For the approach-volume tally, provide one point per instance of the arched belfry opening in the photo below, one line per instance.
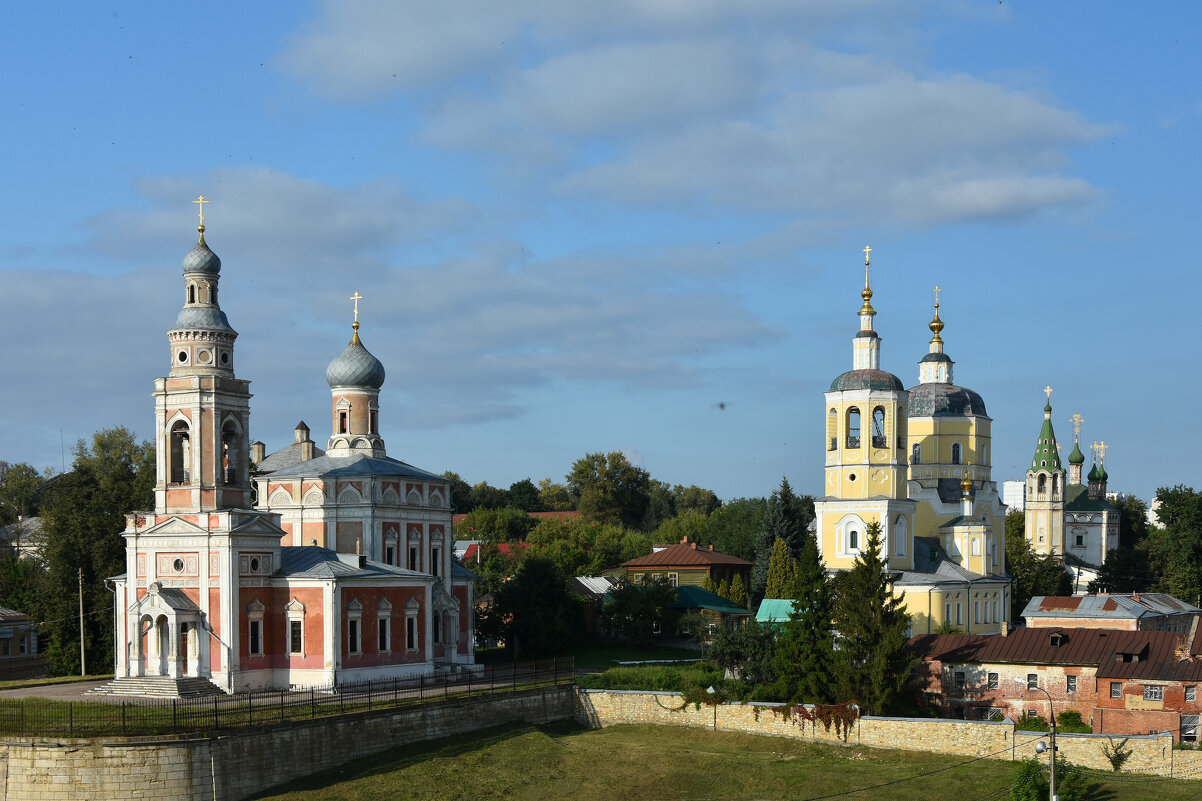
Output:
(231, 453)
(180, 459)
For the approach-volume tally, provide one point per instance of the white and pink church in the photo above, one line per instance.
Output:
(302, 568)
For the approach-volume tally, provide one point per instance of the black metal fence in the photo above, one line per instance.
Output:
(43, 717)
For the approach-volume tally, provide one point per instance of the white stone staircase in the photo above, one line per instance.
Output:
(160, 687)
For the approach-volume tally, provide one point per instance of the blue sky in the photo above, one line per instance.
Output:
(627, 226)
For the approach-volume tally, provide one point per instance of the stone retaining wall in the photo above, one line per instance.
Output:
(233, 766)
(1000, 740)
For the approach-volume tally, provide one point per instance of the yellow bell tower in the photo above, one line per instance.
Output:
(866, 467)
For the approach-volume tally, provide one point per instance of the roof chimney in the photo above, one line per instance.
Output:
(684, 539)
(1005, 628)
(258, 452)
(694, 545)
(711, 546)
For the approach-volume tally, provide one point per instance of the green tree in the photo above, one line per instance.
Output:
(805, 649)
(661, 504)
(18, 492)
(781, 572)
(486, 496)
(1133, 520)
(524, 495)
(533, 612)
(1179, 549)
(495, 525)
(555, 497)
(83, 515)
(746, 650)
(786, 517)
(631, 610)
(610, 489)
(461, 492)
(723, 590)
(738, 592)
(695, 499)
(686, 525)
(874, 663)
(734, 527)
(709, 586)
(20, 581)
(1125, 570)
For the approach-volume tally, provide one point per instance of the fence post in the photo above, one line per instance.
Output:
(421, 686)
(250, 708)
(555, 663)
(395, 696)
(216, 719)
(174, 719)
(515, 674)
(123, 729)
(369, 695)
(469, 684)
(313, 701)
(70, 718)
(22, 717)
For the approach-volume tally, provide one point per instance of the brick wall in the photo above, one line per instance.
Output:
(237, 765)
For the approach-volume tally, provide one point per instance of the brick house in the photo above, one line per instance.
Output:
(1122, 682)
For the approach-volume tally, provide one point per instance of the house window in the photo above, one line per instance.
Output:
(992, 681)
(1032, 713)
(673, 578)
(1032, 681)
(1191, 693)
(411, 633)
(1116, 689)
(1154, 693)
(390, 555)
(435, 561)
(296, 636)
(1189, 728)
(383, 633)
(255, 638)
(352, 636)
(413, 557)
(960, 680)
(1072, 684)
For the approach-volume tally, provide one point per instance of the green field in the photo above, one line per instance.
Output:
(669, 763)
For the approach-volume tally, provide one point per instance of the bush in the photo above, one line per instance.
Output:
(659, 678)
(1036, 723)
(1069, 721)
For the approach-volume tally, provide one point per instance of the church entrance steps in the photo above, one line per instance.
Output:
(160, 687)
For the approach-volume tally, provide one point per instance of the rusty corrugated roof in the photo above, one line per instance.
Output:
(686, 554)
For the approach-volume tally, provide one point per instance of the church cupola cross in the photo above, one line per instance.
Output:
(200, 209)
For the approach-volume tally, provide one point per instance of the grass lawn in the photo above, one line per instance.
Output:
(668, 763)
(595, 656)
(18, 683)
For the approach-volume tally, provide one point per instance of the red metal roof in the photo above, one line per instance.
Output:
(686, 554)
(1067, 603)
(504, 548)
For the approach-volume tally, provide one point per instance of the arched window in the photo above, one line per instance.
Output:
(853, 539)
(955, 453)
(191, 293)
(213, 294)
(1042, 484)
(878, 427)
(832, 429)
(916, 453)
(343, 421)
(1055, 485)
(230, 448)
(976, 546)
(853, 427)
(181, 454)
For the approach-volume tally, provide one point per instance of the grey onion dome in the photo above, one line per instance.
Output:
(355, 367)
(867, 379)
(208, 318)
(201, 259)
(945, 400)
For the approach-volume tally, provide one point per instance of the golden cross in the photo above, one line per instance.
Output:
(1102, 448)
(1094, 448)
(937, 291)
(200, 202)
(1076, 420)
(356, 297)
(1048, 391)
(867, 251)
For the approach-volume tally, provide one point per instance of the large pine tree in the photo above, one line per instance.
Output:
(874, 664)
(805, 650)
(787, 518)
(780, 572)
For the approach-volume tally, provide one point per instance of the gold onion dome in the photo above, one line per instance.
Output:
(966, 485)
(936, 325)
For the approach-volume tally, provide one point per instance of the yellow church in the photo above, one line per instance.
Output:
(917, 462)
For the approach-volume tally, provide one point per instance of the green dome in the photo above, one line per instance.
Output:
(1094, 474)
(1076, 457)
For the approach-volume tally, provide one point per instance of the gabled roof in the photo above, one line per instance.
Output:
(1077, 500)
(690, 597)
(774, 610)
(686, 554)
(932, 566)
(1106, 649)
(286, 457)
(594, 587)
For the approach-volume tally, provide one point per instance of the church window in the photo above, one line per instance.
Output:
(1072, 684)
(182, 356)
(916, 453)
(375, 421)
(383, 635)
(390, 555)
(853, 427)
(352, 636)
(959, 614)
(832, 429)
(853, 540)
(254, 643)
(213, 294)
(437, 630)
(229, 453)
(413, 557)
(343, 418)
(955, 453)
(435, 560)
(1055, 485)
(976, 611)
(976, 546)
(296, 636)
(411, 632)
(191, 293)
(181, 454)
(1041, 484)
(878, 427)
(995, 617)
(225, 357)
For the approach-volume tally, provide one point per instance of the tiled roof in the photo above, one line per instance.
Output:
(686, 554)
(1103, 648)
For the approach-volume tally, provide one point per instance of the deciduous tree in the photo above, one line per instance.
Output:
(534, 612)
(632, 610)
(610, 489)
(734, 527)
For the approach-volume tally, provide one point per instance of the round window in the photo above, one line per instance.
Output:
(183, 357)
(254, 565)
(851, 477)
(225, 358)
(204, 357)
(178, 565)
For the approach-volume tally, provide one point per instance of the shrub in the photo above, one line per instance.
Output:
(1036, 723)
(1070, 722)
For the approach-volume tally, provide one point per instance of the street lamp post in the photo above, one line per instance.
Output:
(1040, 747)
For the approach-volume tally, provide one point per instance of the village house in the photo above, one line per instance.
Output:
(1121, 682)
(684, 564)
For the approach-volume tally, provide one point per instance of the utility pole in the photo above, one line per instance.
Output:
(83, 670)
